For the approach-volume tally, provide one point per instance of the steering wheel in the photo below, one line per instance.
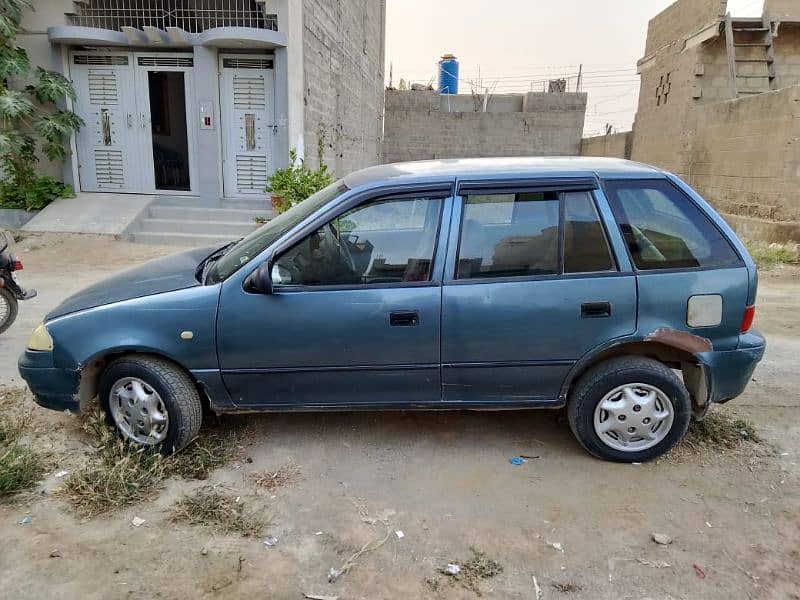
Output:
(344, 251)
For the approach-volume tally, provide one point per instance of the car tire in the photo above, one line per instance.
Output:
(638, 392)
(8, 299)
(133, 385)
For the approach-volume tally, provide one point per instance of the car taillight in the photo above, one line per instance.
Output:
(16, 265)
(747, 320)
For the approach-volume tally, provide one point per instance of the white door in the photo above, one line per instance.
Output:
(247, 102)
(106, 101)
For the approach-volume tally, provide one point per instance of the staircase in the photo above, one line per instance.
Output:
(751, 56)
(183, 221)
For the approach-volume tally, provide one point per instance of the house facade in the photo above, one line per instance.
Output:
(207, 97)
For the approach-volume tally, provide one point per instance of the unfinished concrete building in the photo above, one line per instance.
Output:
(719, 105)
(423, 124)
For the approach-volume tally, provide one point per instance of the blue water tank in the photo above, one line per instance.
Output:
(448, 74)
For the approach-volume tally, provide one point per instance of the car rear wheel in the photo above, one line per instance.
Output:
(151, 402)
(629, 409)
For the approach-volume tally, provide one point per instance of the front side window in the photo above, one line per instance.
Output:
(386, 241)
(664, 229)
(258, 241)
(519, 235)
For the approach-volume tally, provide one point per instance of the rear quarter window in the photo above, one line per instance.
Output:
(664, 229)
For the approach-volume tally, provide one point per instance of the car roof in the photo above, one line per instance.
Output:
(485, 168)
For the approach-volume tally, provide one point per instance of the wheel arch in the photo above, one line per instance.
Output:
(658, 347)
(93, 368)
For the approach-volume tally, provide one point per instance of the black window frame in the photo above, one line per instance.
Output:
(437, 192)
(614, 210)
(561, 189)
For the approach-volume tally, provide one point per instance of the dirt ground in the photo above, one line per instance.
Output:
(443, 479)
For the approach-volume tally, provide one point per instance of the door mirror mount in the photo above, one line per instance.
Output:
(260, 280)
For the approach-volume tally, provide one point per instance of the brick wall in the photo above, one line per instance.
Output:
(787, 54)
(617, 145)
(745, 155)
(680, 20)
(659, 134)
(343, 44)
(418, 126)
(783, 9)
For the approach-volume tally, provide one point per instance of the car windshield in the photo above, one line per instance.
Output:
(258, 241)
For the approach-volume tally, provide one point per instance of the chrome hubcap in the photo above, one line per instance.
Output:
(138, 411)
(633, 417)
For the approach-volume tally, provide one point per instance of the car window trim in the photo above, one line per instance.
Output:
(433, 281)
(612, 205)
(512, 188)
(524, 278)
(522, 186)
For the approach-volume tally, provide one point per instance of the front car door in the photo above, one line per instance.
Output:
(354, 317)
(532, 285)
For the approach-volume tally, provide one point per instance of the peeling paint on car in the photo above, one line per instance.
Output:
(683, 340)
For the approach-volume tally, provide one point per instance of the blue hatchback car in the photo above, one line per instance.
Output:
(605, 286)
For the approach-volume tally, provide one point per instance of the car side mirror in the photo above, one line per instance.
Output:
(260, 280)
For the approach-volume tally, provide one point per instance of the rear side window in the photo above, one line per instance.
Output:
(664, 229)
(531, 234)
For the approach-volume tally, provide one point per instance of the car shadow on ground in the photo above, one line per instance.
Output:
(523, 432)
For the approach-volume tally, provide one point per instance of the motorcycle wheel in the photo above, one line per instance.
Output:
(8, 309)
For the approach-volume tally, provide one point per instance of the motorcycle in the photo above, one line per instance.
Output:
(11, 292)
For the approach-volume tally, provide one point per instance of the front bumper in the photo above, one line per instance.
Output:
(730, 371)
(52, 387)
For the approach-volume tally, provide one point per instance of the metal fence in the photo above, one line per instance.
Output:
(193, 16)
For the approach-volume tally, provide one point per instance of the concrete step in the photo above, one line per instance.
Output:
(259, 203)
(179, 239)
(234, 228)
(215, 215)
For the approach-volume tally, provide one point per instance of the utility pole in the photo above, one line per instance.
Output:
(580, 78)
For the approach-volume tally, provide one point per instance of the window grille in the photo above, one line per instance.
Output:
(193, 16)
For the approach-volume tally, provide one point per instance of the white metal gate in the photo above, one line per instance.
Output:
(106, 101)
(247, 102)
(115, 148)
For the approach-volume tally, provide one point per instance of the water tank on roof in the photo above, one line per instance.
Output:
(448, 74)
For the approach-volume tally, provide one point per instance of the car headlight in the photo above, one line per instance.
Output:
(40, 340)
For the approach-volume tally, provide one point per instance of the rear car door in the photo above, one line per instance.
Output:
(531, 286)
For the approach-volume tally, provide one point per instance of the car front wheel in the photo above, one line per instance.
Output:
(151, 402)
(629, 409)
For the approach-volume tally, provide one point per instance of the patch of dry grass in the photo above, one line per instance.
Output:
(120, 474)
(720, 429)
(769, 256)
(473, 571)
(272, 480)
(211, 508)
(720, 432)
(566, 588)
(20, 466)
(210, 450)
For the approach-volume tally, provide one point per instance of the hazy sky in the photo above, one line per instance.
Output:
(516, 45)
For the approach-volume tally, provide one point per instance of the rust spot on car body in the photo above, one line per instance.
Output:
(682, 340)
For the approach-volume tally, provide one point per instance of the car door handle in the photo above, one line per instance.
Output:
(596, 310)
(405, 318)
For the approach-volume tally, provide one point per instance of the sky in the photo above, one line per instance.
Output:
(517, 45)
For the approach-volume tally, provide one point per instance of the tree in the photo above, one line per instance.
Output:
(30, 118)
